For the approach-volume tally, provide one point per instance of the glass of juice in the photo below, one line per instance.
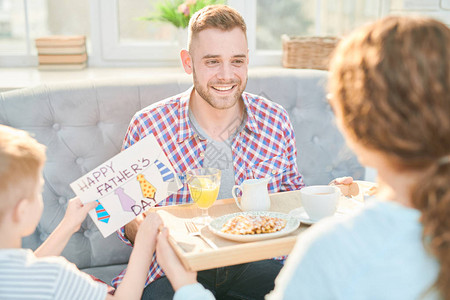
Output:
(204, 184)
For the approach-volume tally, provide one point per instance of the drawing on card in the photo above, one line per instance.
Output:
(102, 214)
(128, 184)
(166, 174)
(147, 189)
(125, 200)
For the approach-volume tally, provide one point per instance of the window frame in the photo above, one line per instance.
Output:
(110, 51)
(105, 49)
(26, 58)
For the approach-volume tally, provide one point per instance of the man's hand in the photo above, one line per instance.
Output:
(132, 228)
(346, 185)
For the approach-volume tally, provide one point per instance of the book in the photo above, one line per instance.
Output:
(62, 58)
(61, 40)
(61, 50)
(61, 67)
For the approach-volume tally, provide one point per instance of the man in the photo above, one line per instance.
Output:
(216, 124)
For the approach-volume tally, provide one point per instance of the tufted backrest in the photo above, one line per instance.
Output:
(83, 124)
(322, 152)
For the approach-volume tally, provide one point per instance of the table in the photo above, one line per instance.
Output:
(196, 255)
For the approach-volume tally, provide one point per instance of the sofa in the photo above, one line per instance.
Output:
(83, 124)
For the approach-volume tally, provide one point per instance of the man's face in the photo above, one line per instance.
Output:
(219, 66)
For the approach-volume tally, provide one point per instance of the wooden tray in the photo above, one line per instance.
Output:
(196, 255)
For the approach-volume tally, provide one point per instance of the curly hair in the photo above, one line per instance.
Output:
(391, 81)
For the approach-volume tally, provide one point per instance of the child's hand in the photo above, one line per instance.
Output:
(172, 267)
(149, 227)
(76, 213)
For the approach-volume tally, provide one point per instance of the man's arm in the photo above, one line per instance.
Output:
(293, 180)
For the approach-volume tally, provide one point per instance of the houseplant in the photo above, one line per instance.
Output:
(178, 12)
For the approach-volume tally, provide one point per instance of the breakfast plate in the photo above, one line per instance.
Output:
(216, 226)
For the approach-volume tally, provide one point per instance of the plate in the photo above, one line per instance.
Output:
(216, 226)
(302, 216)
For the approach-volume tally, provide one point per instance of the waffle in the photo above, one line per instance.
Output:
(243, 225)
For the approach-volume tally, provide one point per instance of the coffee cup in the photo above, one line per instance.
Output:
(320, 201)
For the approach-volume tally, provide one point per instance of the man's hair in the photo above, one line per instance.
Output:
(215, 16)
(21, 161)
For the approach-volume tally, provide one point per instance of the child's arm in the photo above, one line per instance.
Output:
(168, 260)
(183, 282)
(133, 282)
(75, 214)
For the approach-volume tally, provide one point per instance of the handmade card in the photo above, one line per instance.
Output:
(127, 185)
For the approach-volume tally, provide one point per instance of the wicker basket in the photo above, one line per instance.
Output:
(307, 52)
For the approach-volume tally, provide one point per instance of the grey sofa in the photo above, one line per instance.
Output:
(83, 124)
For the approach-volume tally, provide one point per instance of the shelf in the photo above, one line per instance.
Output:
(16, 78)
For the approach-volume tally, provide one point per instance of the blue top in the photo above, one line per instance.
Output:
(375, 254)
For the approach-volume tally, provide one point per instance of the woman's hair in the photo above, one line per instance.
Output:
(391, 81)
(215, 16)
(21, 161)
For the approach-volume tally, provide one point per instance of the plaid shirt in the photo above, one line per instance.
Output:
(264, 147)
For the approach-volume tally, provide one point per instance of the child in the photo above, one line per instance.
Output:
(41, 275)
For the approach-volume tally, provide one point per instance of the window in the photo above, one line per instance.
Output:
(117, 38)
(22, 21)
(126, 40)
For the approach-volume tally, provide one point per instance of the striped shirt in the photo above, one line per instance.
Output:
(24, 276)
(265, 147)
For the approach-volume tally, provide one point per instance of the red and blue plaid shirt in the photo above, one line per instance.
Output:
(265, 147)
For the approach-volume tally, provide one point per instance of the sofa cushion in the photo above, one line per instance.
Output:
(83, 124)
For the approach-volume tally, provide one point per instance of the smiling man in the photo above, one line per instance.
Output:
(216, 124)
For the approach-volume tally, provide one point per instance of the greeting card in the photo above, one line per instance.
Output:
(128, 184)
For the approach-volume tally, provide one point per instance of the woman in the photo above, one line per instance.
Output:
(390, 90)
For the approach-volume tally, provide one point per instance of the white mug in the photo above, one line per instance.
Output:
(320, 201)
(254, 195)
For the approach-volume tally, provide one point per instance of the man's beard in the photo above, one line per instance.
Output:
(220, 102)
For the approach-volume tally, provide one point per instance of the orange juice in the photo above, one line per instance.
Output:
(203, 191)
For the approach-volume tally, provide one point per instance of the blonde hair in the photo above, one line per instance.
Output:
(391, 80)
(21, 161)
(215, 16)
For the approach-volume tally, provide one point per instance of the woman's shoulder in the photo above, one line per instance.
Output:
(366, 228)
